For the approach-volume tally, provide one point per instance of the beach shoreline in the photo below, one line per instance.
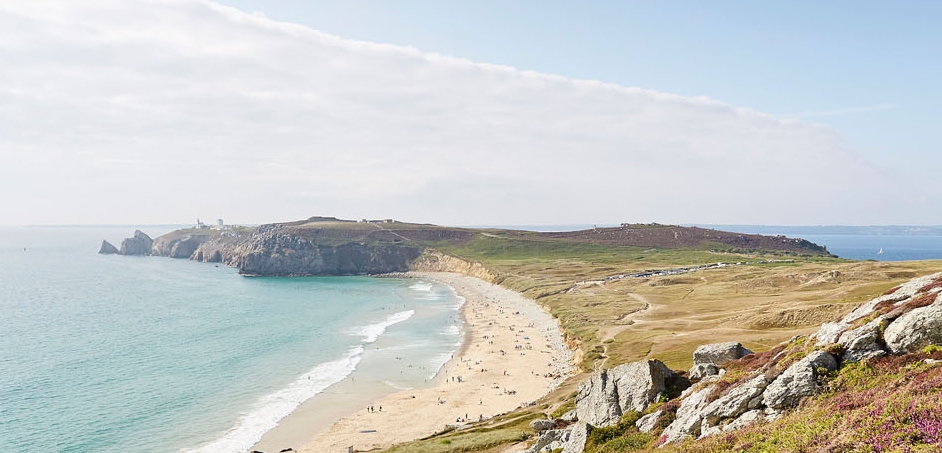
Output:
(511, 354)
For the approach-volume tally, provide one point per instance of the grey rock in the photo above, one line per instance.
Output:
(688, 419)
(107, 248)
(719, 353)
(915, 330)
(542, 425)
(608, 394)
(798, 381)
(569, 416)
(746, 419)
(549, 441)
(702, 370)
(640, 383)
(829, 333)
(140, 244)
(648, 422)
(864, 341)
(577, 438)
(597, 400)
(736, 401)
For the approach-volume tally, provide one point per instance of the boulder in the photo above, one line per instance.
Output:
(740, 422)
(798, 381)
(702, 370)
(648, 422)
(736, 401)
(542, 425)
(719, 353)
(569, 416)
(597, 400)
(863, 342)
(608, 394)
(140, 244)
(549, 441)
(687, 421)
(107, 248)
(829, 333)
(915, 330)
(640, 383)
(577, 438)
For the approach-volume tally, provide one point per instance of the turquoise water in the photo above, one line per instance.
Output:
(148, 354)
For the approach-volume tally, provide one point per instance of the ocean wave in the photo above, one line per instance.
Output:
(270, 409)
(421, 286)
(440, 361)
(451, 330)
(372, 332)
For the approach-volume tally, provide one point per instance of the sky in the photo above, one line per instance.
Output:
(470, 113)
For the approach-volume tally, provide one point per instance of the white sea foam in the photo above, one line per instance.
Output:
(451, 330)
(372, 332)
(270, 409)
(421, 286)
(440, 361)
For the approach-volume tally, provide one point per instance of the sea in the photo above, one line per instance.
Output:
(108, 353)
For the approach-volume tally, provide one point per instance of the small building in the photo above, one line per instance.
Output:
(200, 225)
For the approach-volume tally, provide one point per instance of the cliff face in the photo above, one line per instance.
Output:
(140, 244)
(280, 252)
(287, 250)
(433, 261)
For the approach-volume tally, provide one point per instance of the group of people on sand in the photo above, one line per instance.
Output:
(371, 409)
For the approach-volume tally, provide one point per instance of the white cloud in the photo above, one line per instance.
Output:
(159, 111)
(844, 111)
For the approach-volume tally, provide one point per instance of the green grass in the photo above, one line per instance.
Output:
(509, 428)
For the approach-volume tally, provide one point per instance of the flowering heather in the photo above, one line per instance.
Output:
(893, 404)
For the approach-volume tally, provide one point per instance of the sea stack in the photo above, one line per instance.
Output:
(107, 248)
(140, 244)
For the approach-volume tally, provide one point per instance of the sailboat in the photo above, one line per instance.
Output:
(881, 251)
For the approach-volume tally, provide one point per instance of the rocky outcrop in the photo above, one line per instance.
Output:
(897, 298)
(140, 244)
(181, 244)
(689, 417)
(714, 409)
(648, 422)
(798, 381)
(864, 342)
(916, 329)
(606, 395)
(279, 252)
(550, 440)
(736, 401)
(542, 424)
(107, 248)
(702, 370)
(434, 261)
(719, 353)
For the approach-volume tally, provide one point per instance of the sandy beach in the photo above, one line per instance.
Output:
(512, 355)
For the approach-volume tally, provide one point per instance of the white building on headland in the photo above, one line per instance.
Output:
(220, 225)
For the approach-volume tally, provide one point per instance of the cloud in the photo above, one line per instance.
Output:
(846, 111)
(161, 111)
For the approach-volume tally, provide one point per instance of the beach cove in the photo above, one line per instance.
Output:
(513, 353)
